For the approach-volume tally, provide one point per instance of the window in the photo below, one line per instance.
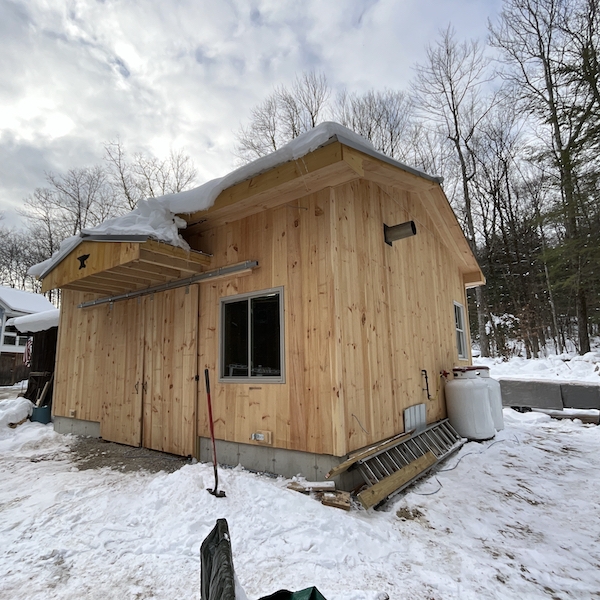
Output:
(461, 338)
(10, 335)
(252, 337)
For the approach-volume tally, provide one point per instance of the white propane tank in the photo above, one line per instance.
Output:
(495, 397)
(467, 401)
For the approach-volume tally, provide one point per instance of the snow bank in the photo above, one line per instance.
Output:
(36, 322)
(564, 367)
(13, 411)
(526, 418)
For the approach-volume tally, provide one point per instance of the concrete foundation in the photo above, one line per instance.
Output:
(263, 459)
(76, 426)
(549, 395)
(278, 461)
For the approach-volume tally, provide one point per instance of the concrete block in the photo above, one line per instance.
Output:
(580, 395)
(76, 426)
(531, 394)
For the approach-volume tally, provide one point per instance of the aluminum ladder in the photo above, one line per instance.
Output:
(393, 469)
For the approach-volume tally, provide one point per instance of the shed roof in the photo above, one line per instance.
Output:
(24, 302)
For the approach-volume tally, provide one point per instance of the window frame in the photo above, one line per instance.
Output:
(248, 297)
(460, 332)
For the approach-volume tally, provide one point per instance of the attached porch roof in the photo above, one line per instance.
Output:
(109, 266)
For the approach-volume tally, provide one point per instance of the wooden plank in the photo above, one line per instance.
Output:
(381, 490)
(306, 487)
(337, 499)
(91, 288)
(185, 266)
(165, 249)
(354, 458)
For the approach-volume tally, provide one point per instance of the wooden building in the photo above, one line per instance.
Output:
(316, 332)
(16, 303)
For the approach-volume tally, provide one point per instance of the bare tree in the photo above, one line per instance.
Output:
(146, 176)
(543, 57)
(284, 115)
(384, 118)
(447, 90)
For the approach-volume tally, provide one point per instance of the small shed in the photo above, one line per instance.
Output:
(322, 286)
(16, 303)
(42, 329)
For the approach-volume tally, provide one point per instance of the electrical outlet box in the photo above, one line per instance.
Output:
(263, 437)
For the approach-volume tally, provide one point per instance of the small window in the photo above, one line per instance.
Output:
(252, 337)
(461, 338)
(10, 340)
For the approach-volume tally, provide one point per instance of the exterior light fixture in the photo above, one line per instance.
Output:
(398, 232)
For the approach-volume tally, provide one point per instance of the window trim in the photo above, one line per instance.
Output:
(250, 378)
(460, 332)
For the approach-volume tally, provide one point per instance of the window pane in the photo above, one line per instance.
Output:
(10, 340)
(235, 339)
(461, 340)
(266, 341)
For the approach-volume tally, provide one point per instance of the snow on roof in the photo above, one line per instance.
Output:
(36, 322)
(157, 217)
(25, 302)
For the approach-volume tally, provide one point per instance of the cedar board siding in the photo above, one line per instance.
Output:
(131, 367)
(361, 318)
(292, 246)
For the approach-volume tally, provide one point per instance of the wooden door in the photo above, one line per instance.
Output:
(117, 374)
(170, 369)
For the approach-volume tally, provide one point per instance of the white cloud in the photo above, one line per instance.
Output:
(160, 74)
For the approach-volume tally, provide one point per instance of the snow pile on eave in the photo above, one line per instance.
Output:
(36, 322)
(157, 217)
(21, 301)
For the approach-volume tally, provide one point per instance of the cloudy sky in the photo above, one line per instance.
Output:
(165, 74)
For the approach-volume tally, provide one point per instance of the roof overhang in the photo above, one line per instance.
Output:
(113, 264)
(335, 163)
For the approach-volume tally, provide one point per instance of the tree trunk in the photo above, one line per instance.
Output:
(484, 344)
(582, 322)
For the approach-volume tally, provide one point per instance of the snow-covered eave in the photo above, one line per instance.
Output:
(203, 197)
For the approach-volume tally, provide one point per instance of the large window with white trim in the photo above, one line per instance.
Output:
(461, 337)
(252, 337)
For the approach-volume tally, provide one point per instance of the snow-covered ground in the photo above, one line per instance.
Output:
(517, 517)
(564, 367)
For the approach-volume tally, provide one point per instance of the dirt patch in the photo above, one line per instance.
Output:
(95, 453)
(409, 514)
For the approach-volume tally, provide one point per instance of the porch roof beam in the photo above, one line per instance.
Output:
(236, 269)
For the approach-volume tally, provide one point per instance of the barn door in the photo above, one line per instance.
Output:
(117, 370)
(170, 368)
